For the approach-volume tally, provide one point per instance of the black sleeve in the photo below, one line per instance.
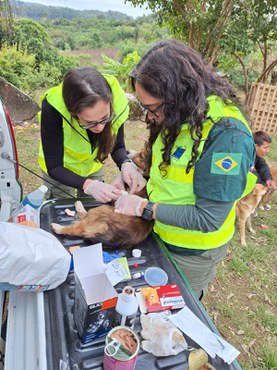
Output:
(53, 148)
(119, 153)
(262, 169)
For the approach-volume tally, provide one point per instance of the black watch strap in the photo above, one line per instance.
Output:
(147, 213)
(126, 160)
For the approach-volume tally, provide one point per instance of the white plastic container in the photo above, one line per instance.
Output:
(126, 307)
(35, 198)
(28, 209)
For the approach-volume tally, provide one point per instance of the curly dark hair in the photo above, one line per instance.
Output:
(83, 88)
(178, 75)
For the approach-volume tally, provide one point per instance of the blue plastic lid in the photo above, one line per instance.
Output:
(155, 276)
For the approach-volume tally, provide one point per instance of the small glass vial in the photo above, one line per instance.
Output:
(126, 307)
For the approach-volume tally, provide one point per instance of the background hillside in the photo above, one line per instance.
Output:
(38, 11)
(39, 43)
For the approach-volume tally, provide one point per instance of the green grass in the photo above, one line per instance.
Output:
(242, 299)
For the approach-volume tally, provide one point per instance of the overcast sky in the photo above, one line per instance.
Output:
(103, 5)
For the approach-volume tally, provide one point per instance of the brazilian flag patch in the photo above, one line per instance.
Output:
(226, 163)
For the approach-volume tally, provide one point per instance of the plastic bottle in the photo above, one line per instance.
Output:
(35, 198)
(126, 307)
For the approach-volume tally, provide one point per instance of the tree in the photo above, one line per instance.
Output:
(200, 23)
(31, 36)
(6, 16)
(253, 28)
(205, 24)
(223, 28)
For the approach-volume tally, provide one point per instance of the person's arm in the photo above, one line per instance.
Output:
(263, 169)
(53, 147)
(205, 216)
(219, 180)
(119, 153)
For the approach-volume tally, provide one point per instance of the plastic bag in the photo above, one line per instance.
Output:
(31, 259)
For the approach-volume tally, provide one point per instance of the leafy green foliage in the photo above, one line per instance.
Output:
(222, 28)
(82, 34)
(121, 70)
(28, 58)
(16, 66)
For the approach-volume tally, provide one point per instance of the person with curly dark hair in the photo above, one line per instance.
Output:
(202, 156)
(82, 122)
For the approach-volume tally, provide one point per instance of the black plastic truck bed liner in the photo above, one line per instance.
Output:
(64, 348)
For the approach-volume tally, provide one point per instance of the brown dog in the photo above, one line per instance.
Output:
(263, 205)
(102, 225)
(246, 207)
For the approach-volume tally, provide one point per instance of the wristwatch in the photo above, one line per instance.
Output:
(147, 212)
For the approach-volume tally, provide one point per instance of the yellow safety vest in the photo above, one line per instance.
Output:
(177, 186)
(78, 155)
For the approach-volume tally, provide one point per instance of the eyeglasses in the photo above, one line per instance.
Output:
(93, 124)
(145, 109)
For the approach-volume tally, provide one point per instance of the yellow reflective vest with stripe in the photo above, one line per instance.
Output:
(78, 154)
(176, 187)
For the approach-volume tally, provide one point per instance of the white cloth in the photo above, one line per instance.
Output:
(31, 257)
(160, 336)
(193, 327)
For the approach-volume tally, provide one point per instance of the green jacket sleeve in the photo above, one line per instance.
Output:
(228, 155)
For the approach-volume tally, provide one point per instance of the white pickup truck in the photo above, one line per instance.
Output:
(38, 331)
(22, 343)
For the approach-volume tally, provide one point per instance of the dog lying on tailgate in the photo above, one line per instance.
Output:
(102, 225)
(246, 207)
(263, 205)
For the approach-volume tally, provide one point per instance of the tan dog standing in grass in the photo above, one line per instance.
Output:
(246, 207)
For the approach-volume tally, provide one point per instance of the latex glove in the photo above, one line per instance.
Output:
(102, 192)
(129, 205)
(118, 182)
(161, 337)
(132, 177)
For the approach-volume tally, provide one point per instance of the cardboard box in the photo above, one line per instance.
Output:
(95, 296)
(160, 298)
(27, 213)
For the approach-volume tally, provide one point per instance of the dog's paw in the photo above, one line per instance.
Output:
(267, 207)
(79, 207)
(56, 228)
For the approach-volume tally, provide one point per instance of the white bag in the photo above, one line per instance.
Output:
(31, 259)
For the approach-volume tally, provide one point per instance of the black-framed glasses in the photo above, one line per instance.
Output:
(93, 124)
(146, 110)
